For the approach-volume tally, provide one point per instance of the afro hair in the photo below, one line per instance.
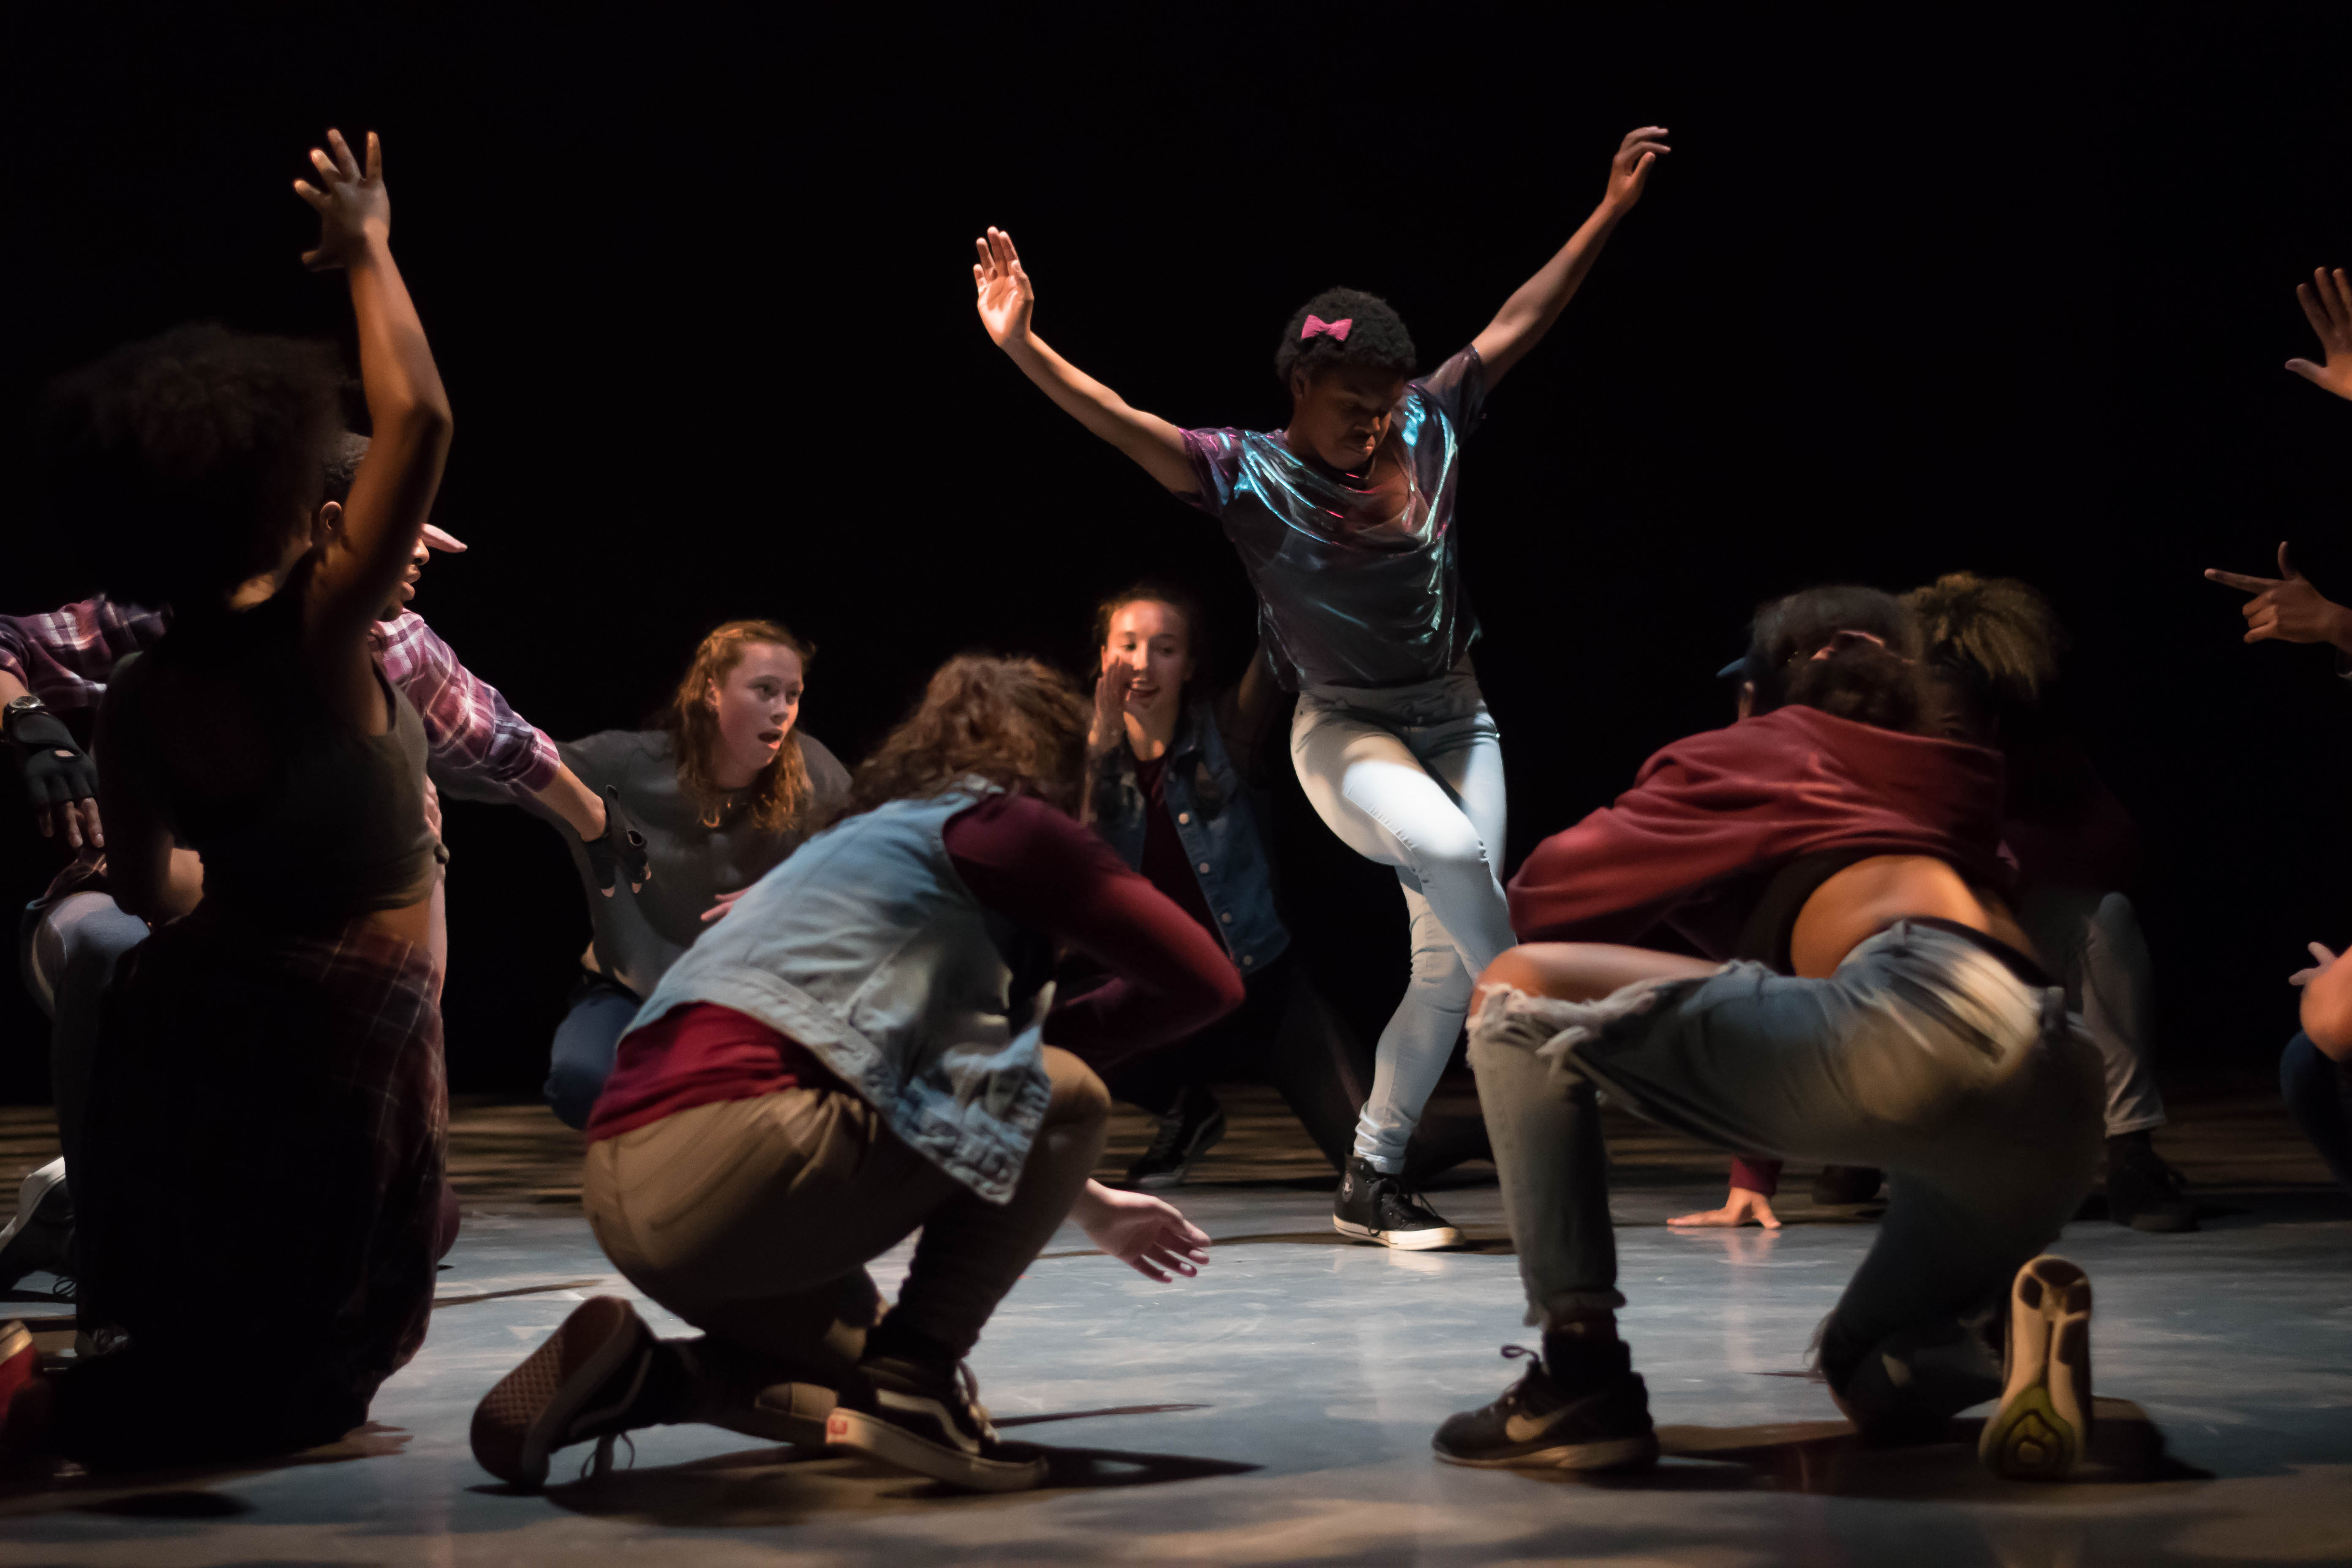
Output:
(198, 457)
(1376, 337)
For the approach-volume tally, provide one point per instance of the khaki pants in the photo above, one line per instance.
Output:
(754, 1219)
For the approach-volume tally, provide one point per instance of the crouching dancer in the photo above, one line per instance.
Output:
(1913, 1033)
(857, 1053)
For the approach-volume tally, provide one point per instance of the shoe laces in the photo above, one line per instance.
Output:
(599, 1464)
(969, 1385)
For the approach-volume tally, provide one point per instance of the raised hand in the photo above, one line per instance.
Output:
(1741, 1207)
(2321, 960)
(352, 206)
(1111, 705)
(1143, 1232)
(1629, 170)
(1006, 296)
(2328, 304)
(2287, 607)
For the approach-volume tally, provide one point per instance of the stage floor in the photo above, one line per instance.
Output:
(1278, 1409)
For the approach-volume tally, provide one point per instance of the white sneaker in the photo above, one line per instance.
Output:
(2042, 1427)
(34, 1242)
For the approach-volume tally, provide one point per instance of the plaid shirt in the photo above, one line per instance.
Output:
(66, 656)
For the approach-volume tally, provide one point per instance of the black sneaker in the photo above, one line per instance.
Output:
(1193, 1127)
(929, 1420)
(1374, 1207)
(39, 1240)
(2143, 1192)
(588, 1381)
(1539, 1425)
(1847, 1184)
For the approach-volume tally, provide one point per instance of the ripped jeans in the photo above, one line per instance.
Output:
(1412, 777)
(1923, 1055)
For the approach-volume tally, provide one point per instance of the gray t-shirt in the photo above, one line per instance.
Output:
(640, 934)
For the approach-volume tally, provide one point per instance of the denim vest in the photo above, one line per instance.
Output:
(1216, 820)
(867, 948)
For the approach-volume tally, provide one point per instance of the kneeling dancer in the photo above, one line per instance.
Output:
(1913, 1033)
(857, 1053)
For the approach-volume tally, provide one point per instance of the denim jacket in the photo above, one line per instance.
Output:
(1216, 817)
(867, 948)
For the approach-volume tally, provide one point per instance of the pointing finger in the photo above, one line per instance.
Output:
(2241, 582)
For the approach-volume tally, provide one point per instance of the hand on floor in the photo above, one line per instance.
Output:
(1741, 1207)
(1145, 1233)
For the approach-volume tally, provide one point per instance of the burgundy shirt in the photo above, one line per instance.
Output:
(1028, 862)
(1166, 865)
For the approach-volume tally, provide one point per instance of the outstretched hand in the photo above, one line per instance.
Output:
(1145, 1233)
(1007, 297)
(2287, 607)
(351, 204)
(1741, 1207)
(1629, 170)
(2328, 304)
(2321, 960)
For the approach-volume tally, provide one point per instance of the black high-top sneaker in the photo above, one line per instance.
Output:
(1375, 1207)
(1600, 1422)
(2143, 1192)
(929, 1419)
(598, 1375)
(1193, 1125)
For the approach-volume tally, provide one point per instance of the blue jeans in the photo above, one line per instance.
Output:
(72, 946)
(586, 1043)
(2319, 1097)
(1922, 1055)
(1412, 778)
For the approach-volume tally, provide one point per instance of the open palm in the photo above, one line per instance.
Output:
(1006, 296)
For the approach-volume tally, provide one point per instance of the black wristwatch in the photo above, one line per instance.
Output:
(19, 708)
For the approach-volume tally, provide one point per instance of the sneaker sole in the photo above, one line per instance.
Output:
(2044, 1423)
(876, 1438)
(1402, 1241)
(1615, 1454)
(517, 1426)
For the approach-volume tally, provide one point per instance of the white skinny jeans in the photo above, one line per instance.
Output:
(1412, 777)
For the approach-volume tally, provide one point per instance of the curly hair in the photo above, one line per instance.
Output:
(1798, 657)
(344, 454)
(1376, 337)
(1995, 635)
(199, 455)
(1015, 722)
(779, 793)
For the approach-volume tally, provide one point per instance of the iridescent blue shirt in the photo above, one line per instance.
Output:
(1356, 587)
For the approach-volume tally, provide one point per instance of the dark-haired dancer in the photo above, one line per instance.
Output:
(54, 671)
(855, 1052)
(1912, 1030)
(1345, 522)
(726, 787)
(282, 1035)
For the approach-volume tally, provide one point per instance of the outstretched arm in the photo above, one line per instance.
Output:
(409, 413)
(1007, 300)
(2288, 607)
(1529, 314)
(2328, 304)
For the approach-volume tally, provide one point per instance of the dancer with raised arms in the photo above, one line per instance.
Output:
(1345, 523)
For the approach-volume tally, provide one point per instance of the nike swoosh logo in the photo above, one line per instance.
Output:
(1527, 1428)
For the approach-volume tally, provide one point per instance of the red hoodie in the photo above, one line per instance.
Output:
(1710, 817)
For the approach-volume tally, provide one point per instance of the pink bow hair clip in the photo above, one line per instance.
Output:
(1316, 327)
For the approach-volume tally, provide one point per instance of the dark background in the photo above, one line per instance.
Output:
(1909, 296)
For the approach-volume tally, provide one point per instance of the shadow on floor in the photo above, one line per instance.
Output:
(762, 1487)
(1827, 1458)
(51, 1487)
